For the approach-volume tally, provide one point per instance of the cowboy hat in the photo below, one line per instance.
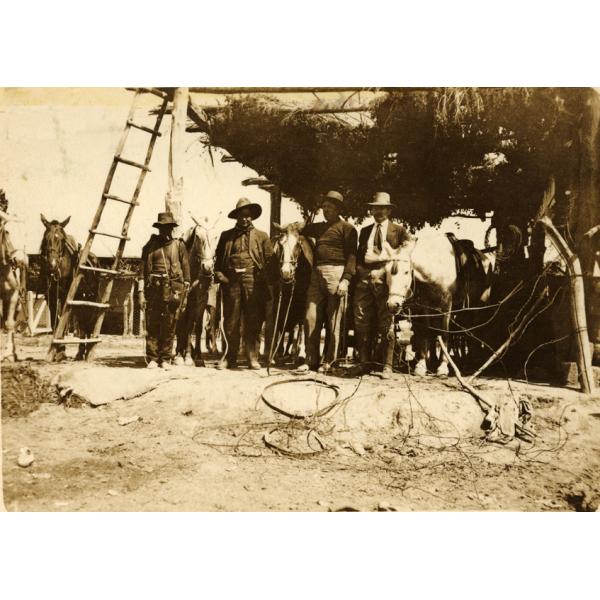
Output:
(381, 199)
(165, 218)
(245, 203)
(334, 197)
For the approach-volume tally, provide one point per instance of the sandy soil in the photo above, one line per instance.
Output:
(199, 444)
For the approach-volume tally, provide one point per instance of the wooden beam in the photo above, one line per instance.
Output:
(197, 114)
(174, 198)
(275, 216)
(302, 90)
(578, 315)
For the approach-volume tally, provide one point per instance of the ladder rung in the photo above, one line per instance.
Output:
(154, 91)
(112, 235)
(77, 341)
(100, 270)
(144, 128)
(88, 303)
(117, 199)
(132, 163)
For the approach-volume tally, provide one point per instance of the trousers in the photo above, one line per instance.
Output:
(247, 297)
(160, 333)
(370, 305)
(324, 306)
(372, 319)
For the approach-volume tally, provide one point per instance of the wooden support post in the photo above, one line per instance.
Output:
(275, 208)
(578, 316)
(130, 305)
(174, 199)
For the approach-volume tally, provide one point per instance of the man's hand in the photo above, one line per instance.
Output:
(342, 289)
(220, 277)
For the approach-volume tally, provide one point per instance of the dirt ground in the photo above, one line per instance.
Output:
(205, 441)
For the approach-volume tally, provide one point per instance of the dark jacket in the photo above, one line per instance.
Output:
(175, 253)
(259, 246)
(396, 236)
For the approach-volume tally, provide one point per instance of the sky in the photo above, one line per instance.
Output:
(56, 148)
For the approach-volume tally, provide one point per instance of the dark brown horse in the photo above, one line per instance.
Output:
(60, 255)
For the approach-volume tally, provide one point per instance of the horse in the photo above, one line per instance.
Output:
(60, 256)
(202, 259)
(13, 275)
(422, 275)
(289, 274)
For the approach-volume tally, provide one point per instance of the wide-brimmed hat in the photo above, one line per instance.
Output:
(165, 218)
(335, 197)
(381, 199)
(245, 203)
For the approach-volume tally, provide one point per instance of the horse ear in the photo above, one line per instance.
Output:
(44, 220)
(278, 227)
(65, 222)
(388, 251)
(409, 245)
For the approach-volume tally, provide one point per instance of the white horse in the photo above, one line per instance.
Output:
(12, 285)
(201, 256)
(424, 271)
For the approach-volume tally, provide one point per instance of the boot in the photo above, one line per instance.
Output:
(252, 350)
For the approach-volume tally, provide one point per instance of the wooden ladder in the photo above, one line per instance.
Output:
(102, 303)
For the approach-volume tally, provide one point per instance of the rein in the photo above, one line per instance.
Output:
(275, 347)
(282, 283)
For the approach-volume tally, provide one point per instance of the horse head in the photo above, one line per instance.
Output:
(200, 247)
(289, 246)
(398, 274)
(54, 242)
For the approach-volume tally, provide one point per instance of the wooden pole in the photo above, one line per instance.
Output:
(578, 315)
(275, 208)
(174, 198)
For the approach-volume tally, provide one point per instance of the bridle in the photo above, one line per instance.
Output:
(394, 271)
(293, 262)
(291, 282)
(53, 246)
(204, 256)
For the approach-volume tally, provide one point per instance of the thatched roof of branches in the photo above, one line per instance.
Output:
(438, 151)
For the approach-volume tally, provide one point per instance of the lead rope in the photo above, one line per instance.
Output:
(287, 314)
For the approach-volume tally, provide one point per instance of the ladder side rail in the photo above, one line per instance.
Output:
(111, 173)
(125, 230)
(65, 316)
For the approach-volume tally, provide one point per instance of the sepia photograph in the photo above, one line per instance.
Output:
(381, 299)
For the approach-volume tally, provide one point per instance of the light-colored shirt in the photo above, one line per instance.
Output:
(371, 255)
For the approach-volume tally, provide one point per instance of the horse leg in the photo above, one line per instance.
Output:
(442, 369)
(197, 352)
(421, 346)
(10, 353)
(209, 331)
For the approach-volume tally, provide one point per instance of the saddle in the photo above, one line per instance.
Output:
(470, 267)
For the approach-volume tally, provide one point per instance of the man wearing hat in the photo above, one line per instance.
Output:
(241, 256)
(166, 276)
(333, 269)
(371, 315)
